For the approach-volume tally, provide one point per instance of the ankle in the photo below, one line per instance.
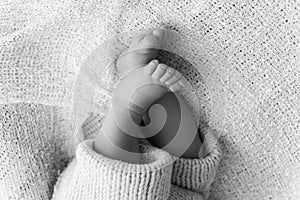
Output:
(128, 109)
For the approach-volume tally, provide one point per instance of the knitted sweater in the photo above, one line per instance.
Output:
(243, 62)
(34, 147)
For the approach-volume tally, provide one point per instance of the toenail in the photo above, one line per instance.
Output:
(178, 75)
(181, 84)
(163, 66)
(154, 61)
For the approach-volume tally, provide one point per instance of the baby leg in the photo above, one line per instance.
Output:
(143, 48)
(132, 97)
(180, 128)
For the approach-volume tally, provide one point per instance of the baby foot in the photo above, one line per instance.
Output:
(143, 86)
(142, 49)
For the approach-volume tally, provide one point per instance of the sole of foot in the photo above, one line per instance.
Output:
(143, 86)
(142, 49)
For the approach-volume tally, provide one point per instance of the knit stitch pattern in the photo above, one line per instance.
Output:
(243, 62)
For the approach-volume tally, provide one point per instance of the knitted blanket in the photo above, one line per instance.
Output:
(241, 57)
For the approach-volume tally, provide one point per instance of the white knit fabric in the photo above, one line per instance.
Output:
(243, 60)
(37, 144)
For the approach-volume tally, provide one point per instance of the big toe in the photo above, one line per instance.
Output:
(150, 67)
(154, 38)
(160, 34)
(150, 41)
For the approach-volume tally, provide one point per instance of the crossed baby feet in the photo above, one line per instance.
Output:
(145, 80)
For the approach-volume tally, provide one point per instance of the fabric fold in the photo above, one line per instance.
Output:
(95, 176)
(198, 174)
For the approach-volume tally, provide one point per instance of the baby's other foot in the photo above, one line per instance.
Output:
(142, 49)
(141, 87)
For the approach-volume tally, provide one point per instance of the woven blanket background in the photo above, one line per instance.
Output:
(244, 62)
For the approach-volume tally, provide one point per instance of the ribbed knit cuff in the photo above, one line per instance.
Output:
(198, 174)
(104, 178)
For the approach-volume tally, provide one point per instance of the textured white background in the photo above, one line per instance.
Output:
(246, 55)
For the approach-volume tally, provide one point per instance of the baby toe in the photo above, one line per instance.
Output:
(180, 84)
(183, 82)
(150, 68)
(175, 77)
(137, 39)
(167, 75)
(159, 71)
(175, 87)
(159, 33)
(150, 41)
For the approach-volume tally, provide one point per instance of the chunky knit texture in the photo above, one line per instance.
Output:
(243, 62)
(36, 145)
(92, 176)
